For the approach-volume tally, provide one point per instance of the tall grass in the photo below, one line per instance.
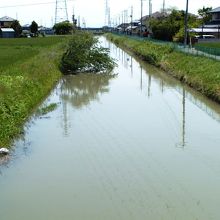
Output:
(24, 84)
(201, 73)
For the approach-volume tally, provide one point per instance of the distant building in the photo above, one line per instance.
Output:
(45, 30)
(26, 27)
(6, 22)
(212, 27)
(215, 16)
(7, 33)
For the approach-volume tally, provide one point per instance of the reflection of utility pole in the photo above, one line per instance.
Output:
(65, 118)
(184, 118)
(131, 66)
(149, 85)
(162, 86)
(141, 78)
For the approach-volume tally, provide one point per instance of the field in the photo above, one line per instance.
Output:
(17, 50)
(211, 45)
(28, 71)
(210, 48)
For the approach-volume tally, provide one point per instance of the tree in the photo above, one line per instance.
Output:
(17, 28)
(63, 28)
(171, 27)
(205, 14)
(34, 28)
(164, 28)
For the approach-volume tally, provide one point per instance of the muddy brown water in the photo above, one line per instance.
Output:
(135, 146)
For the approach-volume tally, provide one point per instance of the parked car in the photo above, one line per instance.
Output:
(205, 36)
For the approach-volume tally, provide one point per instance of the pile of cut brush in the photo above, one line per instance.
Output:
(84, 54)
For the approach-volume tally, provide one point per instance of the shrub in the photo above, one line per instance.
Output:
(83, 54)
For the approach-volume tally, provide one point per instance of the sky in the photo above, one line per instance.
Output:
(90, 12)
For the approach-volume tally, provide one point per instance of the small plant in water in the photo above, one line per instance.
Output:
(49, 108)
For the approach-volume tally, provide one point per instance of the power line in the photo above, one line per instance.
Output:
(61, 11)
(32, 4)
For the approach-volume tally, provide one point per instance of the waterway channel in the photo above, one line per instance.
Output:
(134, 146)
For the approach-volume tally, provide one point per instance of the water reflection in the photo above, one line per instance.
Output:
(182, 144)
(166, 83)
(134, 154)
(147, 74)
(81, 89)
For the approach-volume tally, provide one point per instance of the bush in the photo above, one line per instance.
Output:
(85, 55)
(63, 28)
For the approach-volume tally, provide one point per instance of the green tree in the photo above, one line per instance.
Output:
(34, 28)
(205, 14)
(63, 28)
(171, 27)
(164, 28)
(17, 28)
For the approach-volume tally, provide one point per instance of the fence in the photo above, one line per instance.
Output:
(209, 50)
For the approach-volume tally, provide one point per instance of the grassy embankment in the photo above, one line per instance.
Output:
(28, 71)
(201, 73)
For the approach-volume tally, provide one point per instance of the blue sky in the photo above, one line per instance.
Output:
(91, 10)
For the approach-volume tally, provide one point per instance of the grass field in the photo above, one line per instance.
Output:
(211, 45)
(28, 71)
(16, 50)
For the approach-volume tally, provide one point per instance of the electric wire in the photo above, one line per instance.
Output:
(31, 4)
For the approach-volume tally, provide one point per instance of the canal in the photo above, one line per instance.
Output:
(132, 146)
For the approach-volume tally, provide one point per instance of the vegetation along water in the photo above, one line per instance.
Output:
(201, 73)
(28, 71)
(30, 67)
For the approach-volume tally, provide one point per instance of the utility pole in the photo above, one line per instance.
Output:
(186, 24)
(107, 11)
(79, 25)
(163, 7)
(150, 8)
(109, 17)
(141, 17)
(131, 16)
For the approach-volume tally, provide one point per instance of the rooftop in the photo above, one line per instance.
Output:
(6, 18)
(215, 10)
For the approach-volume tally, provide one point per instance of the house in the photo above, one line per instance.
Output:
(7, 33)
(121, 28)
(212, 27)
(215, 16)
(45, 30)
(6, 22)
